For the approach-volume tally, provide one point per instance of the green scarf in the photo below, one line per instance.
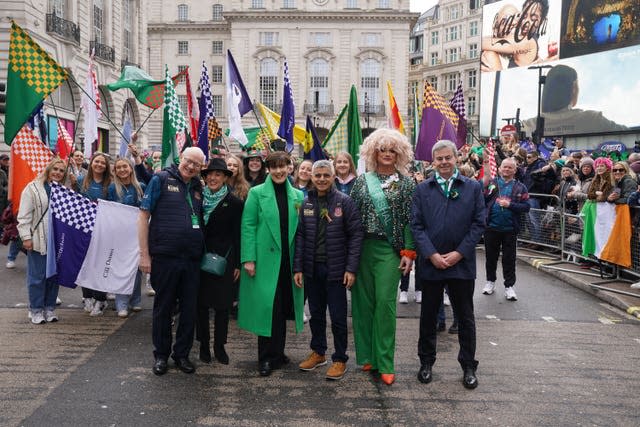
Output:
(212, 199)
(446, 184)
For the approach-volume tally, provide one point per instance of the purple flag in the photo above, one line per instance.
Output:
(244, 105)
(288, 116)
(205, 105)
(316, 152)
(73, 218)
(457, 105)
(434, 127)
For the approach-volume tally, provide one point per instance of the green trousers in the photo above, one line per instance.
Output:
(373, 305)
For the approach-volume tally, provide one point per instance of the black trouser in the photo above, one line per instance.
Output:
(220, 326)
(96, 295)
(493, 241)
(323, 293)
(404, 281)
(271, 349)
(461, 296)
(174, 279)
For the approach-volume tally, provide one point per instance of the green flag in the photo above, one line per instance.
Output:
(32, 75)
(172, 123)
(337, 139)
(147, 91)
(353, 124)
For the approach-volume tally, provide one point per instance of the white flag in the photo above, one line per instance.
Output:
(112, 259)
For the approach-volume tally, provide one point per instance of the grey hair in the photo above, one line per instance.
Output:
(444, 143)
(196, 152)
(323, 164)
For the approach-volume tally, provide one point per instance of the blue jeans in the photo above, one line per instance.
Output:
(123, 301)
(14, 250)
(534, 219)
(42, 292)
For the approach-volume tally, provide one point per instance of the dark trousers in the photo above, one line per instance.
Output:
(404, 281)
(461, 296)
(493, 241)
(220, 326)
(271, 349)
(96, 295)
(174, 280)
(321, 294)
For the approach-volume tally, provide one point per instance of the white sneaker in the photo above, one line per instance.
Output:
(11, 264)
(404, 297)
(149, 290)
(123, 313)
(88, 304)
(445, 299)
(37, 318)
(50, 316)
(418, 297)
(510, 294)
(635, 285)
(98, 308)
(136, 308)
(305, 318)
(489, 287)
(58, 301)
(111, 297)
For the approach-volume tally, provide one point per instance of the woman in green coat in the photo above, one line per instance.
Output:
(268, 296)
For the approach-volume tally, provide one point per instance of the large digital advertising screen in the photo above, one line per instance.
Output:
(591, 51)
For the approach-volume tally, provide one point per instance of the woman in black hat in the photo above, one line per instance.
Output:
(222, 213)
(255, 170)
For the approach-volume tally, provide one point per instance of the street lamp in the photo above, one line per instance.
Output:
(366, 108)
(537, 134)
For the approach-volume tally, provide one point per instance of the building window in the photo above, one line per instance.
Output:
(352, 4)
(182, 100)
(183, 12)
(454, 12)
(288, 4)
(216, 100)
(181, 68)
(371, 39)
(127, 30)
(434, 58)
(98, 20)
(216, 74)
(216, 47)
(318, 82)
(433, 81)
(383, 4)
(370, 83)
(257, 4)
(269, 38)
(473, 28)
(473, 50)
(434, 38)
(269, 82)
(471, 106)
(451, 33)
(183, 48)
(217, 12)
(320, 39)
(452, 55)
(474, 4)
(451, 82)
(472, 79)
(58, 8)
(415, 45)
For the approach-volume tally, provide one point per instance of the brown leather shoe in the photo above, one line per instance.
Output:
(336, 371)
(312, 362)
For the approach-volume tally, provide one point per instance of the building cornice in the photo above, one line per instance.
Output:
(188, 26)
(299, 15)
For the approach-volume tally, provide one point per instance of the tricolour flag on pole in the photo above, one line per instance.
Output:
(88, 248)
(91, 108)
(457, 105)
(395, 120)
(205, 104)
(439, 121)
(312, 147)
(29, 157)
(147, 91)
(607, 232)
(238, 101)
(31, 76)
(288, 116)
(272, 124)
(173, 123)
(64, 145)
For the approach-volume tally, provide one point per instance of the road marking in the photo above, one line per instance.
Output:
(606, 321)
(549, 319)
(492, 343)
(21, 304)
(491, 317)
(637, 340)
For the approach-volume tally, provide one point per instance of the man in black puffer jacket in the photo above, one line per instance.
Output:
(329, 234)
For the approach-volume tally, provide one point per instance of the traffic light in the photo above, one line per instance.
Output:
(3, 97)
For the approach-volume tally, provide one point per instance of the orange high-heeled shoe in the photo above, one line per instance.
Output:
(388, 379)
(366, 367)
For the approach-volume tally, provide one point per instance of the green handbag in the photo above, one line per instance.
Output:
(214, 264)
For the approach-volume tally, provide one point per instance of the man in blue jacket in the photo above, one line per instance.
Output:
(506, 199)
(447, 221)
(329, 234)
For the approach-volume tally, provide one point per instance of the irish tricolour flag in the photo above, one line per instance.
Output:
(607, 232)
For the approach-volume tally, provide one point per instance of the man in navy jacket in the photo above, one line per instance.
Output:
(447, 221)
(329, 234)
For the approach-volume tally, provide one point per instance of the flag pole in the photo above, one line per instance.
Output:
(153, 110)
(94, 102)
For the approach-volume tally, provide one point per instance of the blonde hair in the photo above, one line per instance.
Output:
(296, 175)
(238, 184)
(44, 175)
(134, 180)
(626, 167)
(387, 139)
(352, 165)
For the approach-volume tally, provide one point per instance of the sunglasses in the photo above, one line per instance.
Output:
(619, 170)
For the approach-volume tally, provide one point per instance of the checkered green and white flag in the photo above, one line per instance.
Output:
(173, 122)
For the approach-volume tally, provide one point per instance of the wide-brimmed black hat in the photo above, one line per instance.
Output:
(216, 164)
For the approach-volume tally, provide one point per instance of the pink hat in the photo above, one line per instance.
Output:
(603, 161)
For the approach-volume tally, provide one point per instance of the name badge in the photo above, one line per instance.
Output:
(194, 221)
(173, 188)
(308, 212)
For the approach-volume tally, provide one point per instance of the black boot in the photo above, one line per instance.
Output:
(205, 353)
(221, 354)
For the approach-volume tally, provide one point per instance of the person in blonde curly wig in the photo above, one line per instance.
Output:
(383, 197)
(387, 139)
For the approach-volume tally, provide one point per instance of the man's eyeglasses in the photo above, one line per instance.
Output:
(192, 163)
